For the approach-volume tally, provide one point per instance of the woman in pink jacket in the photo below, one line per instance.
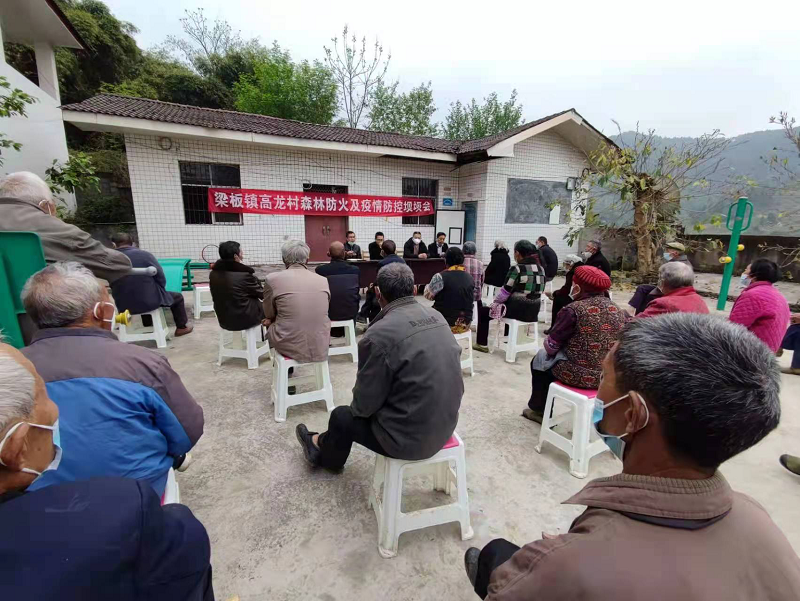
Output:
(760, 307)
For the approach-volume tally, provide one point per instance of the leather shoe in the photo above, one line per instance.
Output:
(532, 415)
(183, 331)
(306, 439)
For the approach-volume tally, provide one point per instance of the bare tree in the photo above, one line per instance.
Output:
(357, 73)
(205, 39)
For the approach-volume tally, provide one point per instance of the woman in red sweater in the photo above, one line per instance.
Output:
(761, 308)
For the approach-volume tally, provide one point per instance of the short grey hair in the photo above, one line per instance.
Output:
(500, 244)
(713, 384)
(470, 248)
(597, 244)
(27, 186)
(17, 384)
(61, 294)
(395, 280)
(295, 252)
(675, 275)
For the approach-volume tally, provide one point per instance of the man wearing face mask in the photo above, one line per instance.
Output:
(106, 538)
(415, 248)
(674, 252)
(124, 411)
(669, 526)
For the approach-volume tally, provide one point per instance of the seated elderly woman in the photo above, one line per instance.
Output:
(761, 308)
(669, 526)
(124, 411)
(453, 292)
(520, 295)
(676, 292)
(579, 339)
(296, 307)
(561, 297)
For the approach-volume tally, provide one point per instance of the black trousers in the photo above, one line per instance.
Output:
(482, 336)
(493, 555)
(343, 430)
(644, 295)
(540, 384)
(178, 308)
(559, 302)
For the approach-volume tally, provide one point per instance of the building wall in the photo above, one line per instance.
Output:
(546, 156)
(156, 187)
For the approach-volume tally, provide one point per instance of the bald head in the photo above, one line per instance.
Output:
(336, 251)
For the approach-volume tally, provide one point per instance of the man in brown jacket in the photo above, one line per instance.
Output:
(669, 526)
(296, 307)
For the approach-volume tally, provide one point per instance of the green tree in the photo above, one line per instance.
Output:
(281, 88)
(472, 121)
(408, 113)
(12, 103)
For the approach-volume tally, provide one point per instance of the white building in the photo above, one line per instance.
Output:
(41, 24)
(497, 187)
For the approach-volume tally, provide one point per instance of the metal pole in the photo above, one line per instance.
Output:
(730, 259)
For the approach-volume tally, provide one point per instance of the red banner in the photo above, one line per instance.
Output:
(281, 202)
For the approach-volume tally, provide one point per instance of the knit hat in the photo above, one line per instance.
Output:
(591, 279)
(572, 259)
(676, 246)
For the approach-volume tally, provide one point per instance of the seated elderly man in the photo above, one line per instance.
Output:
(583, 333)
(296, 307)
(142, 294)
(343, 283)
(125, 411)
(674, 252)
(561, 297)
(408, 386)
(676, 283)
(105, 538)
(669, 526)
(453, 292)
(235, 289)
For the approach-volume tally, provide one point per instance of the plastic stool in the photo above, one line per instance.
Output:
(158, 332)
(466, 363)
(392, 522)
(252, 351)
(489, 296)
(280, 385)
(172, 492)
(543, 308)
(202, 299)
(516, 344)
(351, 346)
(579, 449)
(475, 317)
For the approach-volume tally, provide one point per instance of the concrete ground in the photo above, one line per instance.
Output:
(281, 530)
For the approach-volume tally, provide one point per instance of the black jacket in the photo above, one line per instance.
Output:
(141, 293)
(433, 251)
(343, 281)
(237, 295)
(456, 298)
(375, 252)
(105, 538)
(567, 287)
(353, 248)
(498, 267)
(549, 261)
(408, 249)
(598, 260)
(390, 259)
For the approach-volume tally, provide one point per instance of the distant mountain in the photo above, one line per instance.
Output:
(777, 210)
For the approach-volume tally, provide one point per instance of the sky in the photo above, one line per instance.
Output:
(681, 68)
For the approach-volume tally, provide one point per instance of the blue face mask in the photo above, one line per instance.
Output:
(744, 280)
(614, 443)
(56, 443)
(667, 257)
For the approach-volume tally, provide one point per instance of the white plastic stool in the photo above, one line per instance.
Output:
(172, 492)
(350, 347)
(466, 363)
(202, 299)
(392, 522)
(516, 342)
(489, 296)
(254, 347)
(280, 385)
(474, 324)
(543, 309)
(579, 448)
(158, 332)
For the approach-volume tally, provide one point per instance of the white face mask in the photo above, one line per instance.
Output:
(572, 294)
(56, 443)
(100, 316)
(417, 240)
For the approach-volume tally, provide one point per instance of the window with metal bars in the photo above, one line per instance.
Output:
(421, 188)
(196, 179)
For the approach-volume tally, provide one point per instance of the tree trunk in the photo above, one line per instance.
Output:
(641, 233)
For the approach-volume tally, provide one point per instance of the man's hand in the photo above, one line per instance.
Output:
(266, 322)
(795, 319)
(422, 256)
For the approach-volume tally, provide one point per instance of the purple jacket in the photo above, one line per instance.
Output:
(763, 310)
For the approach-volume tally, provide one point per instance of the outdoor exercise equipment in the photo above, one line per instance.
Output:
(736, 227)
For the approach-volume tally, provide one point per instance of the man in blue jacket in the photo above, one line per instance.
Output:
(107, 538)
(142, 294)
(124, 411)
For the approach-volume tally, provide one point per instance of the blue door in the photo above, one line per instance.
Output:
(470, 220)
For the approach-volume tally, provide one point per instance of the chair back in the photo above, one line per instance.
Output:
(21, 256)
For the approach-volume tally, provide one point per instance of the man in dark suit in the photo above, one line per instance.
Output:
(140, 294)
(548, 257)
(375, 247)
(343, 282)
(371, 307)
(415, 248)
(594, 258)
(438, 249)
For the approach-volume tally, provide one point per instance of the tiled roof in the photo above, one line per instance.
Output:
(167, 112)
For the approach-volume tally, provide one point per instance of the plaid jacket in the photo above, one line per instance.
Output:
(475, 269)
(527, 277)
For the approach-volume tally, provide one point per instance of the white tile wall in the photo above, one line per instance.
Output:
(155, 182)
